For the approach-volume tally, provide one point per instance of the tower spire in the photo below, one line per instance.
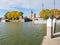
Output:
(31, 12)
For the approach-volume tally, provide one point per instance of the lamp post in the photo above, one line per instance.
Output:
(54, 21)
(54, 7)
(42, 4)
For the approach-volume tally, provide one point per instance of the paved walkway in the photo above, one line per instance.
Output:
(53, 41)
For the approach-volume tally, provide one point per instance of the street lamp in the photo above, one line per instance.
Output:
(54, 7)
(53, 22)
(42, 4)
(55, 18)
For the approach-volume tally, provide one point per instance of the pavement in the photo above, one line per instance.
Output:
(52, 41)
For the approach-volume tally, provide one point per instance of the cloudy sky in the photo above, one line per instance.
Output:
(26, 6)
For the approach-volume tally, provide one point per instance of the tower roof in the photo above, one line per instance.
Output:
(31, 12)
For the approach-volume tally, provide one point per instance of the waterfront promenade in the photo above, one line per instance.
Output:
(51, 38)
(53, 41)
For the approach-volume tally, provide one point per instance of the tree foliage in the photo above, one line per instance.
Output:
(49, 13)
(13, 15)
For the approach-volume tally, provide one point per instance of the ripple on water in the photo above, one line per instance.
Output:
(21, 33)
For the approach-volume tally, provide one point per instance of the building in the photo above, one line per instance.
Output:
(2, 19)
(21, 19)
(32, 16)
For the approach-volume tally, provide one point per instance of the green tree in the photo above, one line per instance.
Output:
(6, 15)
(49, 13)
(44, 14)
(13, 15)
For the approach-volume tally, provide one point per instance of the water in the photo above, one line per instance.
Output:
(57, 27)
(15, 33)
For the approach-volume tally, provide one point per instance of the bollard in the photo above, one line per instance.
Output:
(54, 25)
(49, 28)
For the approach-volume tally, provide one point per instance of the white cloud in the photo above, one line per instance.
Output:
(31, 4)
(35, 4)
(7, 4)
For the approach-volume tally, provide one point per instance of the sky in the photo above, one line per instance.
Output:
(26, 6)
